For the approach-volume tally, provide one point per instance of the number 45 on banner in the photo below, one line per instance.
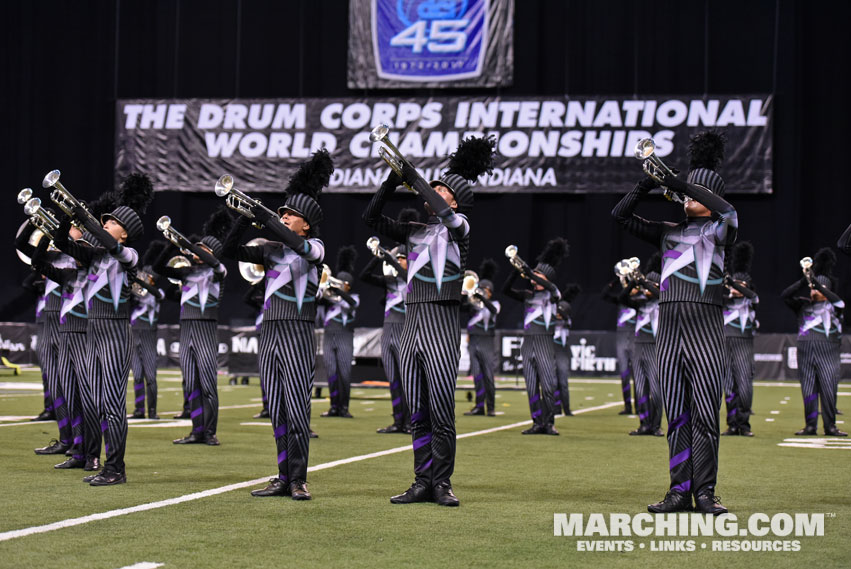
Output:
(442, 36)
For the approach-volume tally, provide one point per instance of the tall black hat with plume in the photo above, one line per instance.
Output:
(553, 253)
(305, 186)
(345, 268)
(741, 258)
(473, 158)
(216, 229)
(706, 151)
(133, 198)
(570, 291)
(487, 272)
(823, 264)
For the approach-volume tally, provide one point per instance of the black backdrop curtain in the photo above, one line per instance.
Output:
(65, 63)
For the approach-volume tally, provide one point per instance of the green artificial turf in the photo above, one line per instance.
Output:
(510, 486)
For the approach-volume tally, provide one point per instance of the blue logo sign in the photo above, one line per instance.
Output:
(429, 40)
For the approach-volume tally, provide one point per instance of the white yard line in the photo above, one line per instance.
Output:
(143, 565)
(14, 534)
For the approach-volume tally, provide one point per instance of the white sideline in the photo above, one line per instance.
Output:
(6, 536)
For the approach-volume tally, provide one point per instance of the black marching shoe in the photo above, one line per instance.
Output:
(44, 416)
(673, 502)
(90, 477)
(69, 452)
(491, 413)
(184, 415)
(107, 478)
(626, 411)
(390, 429)
(312, 435)
(264, 414)
(191, 439)
(70, 463)
(332, 412)
(534, 430)
(475, 411)
(550, 430)
(416, 493)
(745, 432)
(211, 440)
(834, 432)
(152, 414)
(53, 447)
(806, 432)
(298, 490)
(344, 413)
(138, 414)
(276, 487)
(641, 431)
(92, 464)
(708, 503)
(568, 413)
(443, 495)
(658, 433)
(731, 431)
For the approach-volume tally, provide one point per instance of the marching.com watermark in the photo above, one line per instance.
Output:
(759, 532)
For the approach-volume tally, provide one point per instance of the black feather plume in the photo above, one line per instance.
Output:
(570, 291)
(346, 258)
(555, 250)
(824, 261)
(408, 215)
(742, 257)
(105, 203)
(706, 150)
(136, 192)
(487, 270)
(473, 157)
(153, 251)
(653, 264)
(312, 175)
(219, 223)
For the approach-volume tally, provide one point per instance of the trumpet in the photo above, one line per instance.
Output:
(238, 200)
(328, 281)
(25, 195)
(653, 166)
(807, 268)
(470, 288)
(178, 262)
(252, 272)
(139, 290)
(175, 236)
(64, 199)
(629, 269)
(41, 217)
(374, 245)
(517, 262)
(389, 153)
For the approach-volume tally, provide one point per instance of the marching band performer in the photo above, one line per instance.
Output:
(34, 282)
(561, 333)
(739, 327)
(254, 298)
(642, 294)
(691, 351)
(48, 343)
(819, 312)
(111, 264)
(201, 293)
(144, 318)
(624, 339)
(287, 347)
(394, 280)
(481, 334)
(437, 255)
(539, 321)
(339, 307)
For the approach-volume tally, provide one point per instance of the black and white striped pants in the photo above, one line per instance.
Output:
(287, 358)
(391, 338)
(72, 380)
(626, 358)
(40, 354)
(108, 357)
(691, 353)
(539, 371)
(818, 372)
(50, 370)
(199, 346)
(482, 361)
(648, 394)
(562, 392)
(143, 360)
(430, 352)
(738, 388)
(337, 352)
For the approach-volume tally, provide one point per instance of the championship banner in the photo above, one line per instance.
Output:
(430, 43)
(544, 145)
